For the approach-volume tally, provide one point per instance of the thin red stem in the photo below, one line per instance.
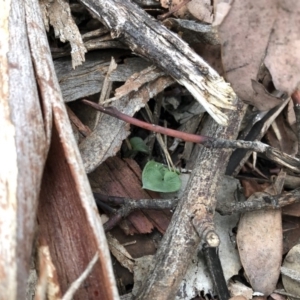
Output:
(112, 111)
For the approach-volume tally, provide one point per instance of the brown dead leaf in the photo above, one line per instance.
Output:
(259, 241)
(275, 296)
(120, 252)
(245, 35)
(251, 186)
(238, 289)
(283, 59)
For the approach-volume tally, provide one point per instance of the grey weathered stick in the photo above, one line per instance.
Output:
(148, 38)
(193, 217)
(260, 201)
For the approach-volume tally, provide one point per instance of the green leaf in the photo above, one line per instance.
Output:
(157, 178)
(138, 144)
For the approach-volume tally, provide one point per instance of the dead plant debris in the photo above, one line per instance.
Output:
(150, 149)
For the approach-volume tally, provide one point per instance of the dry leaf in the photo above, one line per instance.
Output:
(245, 34)
(292, 210)
(281, 136)
(237, 289)
(259, 242)
(282, 59)
(120, 253)
(291, 232)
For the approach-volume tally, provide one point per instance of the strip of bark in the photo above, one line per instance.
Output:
(24, 143)
(150, 39)
(67, 214)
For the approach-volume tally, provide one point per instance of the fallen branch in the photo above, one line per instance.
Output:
(258, 201)
(130, 205)
(149, 38)
(273, 154)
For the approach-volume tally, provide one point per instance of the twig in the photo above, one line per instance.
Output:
(273, 154)
(76, 284)
(261, 201)
(130, 205)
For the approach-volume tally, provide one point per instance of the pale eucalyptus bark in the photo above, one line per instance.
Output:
(22, 152)
(69, 223)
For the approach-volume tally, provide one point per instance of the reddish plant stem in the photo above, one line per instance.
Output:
(188, 137)
(273, 154)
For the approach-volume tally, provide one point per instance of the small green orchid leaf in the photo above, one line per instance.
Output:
(138, 144)
(157, 178)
